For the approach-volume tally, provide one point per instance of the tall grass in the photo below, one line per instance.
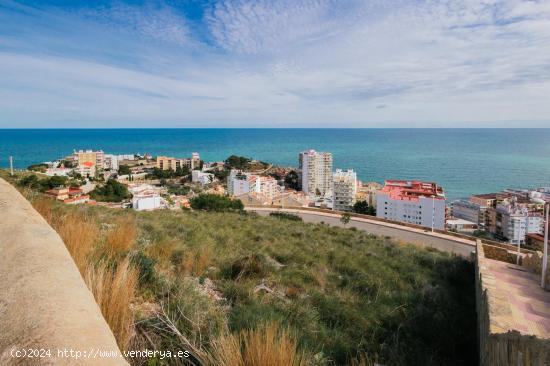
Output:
(195, 261)
(267, 345)
(113, 284)
(121, 237)
(79, 231)
(114, 290)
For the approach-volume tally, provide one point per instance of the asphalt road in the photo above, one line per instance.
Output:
(418, 237)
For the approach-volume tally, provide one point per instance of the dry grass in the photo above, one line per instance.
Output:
(268, 345)
(120, 239)
(44, 206)
(114, 290)
(79, 231)
(162, 250)
(80, 234)
(195, 262)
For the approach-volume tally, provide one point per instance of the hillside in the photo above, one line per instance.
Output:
(235, 288)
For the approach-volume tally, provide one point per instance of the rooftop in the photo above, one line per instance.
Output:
(487, 196)
(412, 190)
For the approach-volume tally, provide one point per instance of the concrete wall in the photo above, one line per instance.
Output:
(44, 302)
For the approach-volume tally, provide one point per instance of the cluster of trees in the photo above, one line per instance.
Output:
(38, 167)
(157, 173)
(286, 216)
(177, 189)
(68, 164)
(362, 207)
(32, 181)
(292, 181)
(112, 191)
(124, 170)
(214, 202)
(237, 162)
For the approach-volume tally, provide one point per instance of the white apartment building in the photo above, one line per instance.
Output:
(413, 202)
(200, 177)
(195, 161)
(344, 190)
(316, 168)
(516, 222)
(126, 157)
(266, 186)
(239, 183)
(469, 211)
(97, 158)
(110, 162)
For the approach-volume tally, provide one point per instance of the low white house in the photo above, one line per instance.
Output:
(201, 177)
(58, 171)
(146, 201)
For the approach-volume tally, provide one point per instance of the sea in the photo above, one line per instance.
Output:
(463, 161)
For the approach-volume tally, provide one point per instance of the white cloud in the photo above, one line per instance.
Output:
(298, 63)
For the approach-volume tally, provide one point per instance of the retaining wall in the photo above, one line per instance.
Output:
(44, 302)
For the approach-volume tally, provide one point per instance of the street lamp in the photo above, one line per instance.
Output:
(545, 248)
(433, 213)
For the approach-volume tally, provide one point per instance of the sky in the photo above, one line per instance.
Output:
(274, 63)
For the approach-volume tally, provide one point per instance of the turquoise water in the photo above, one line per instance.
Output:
(463, 161)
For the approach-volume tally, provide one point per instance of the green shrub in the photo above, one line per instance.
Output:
(112, 191)
(285, 216)
(214, 202)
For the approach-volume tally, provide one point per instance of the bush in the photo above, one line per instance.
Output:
(237, 162)
(124, 170)
(362, 207)
(112, 191)
(214, 202)
(38, 167)
(286, 216)
(146, 267)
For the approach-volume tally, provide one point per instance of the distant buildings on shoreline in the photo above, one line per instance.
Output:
(512, 216)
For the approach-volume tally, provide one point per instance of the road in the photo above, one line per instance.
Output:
(419, 237)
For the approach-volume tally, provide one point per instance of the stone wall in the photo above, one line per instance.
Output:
(44, 302)
(499, 253)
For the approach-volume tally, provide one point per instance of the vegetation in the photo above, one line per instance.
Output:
(285, 216)
(124, 170)
(221, 174)
(482, 234)
(292, 180)
(32, 181)
(214, 202)
(157, 173)
(177, 189)
(38, 167)
(68, 164)
(111, 278)
(112, 191)
(345, 218)
(362, 207)
(237, 162)
(237, 289)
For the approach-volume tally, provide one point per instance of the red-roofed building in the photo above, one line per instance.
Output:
(77, 199)
(413, 202)
(86, 168)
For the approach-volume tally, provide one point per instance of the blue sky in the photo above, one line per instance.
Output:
(267, 63)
